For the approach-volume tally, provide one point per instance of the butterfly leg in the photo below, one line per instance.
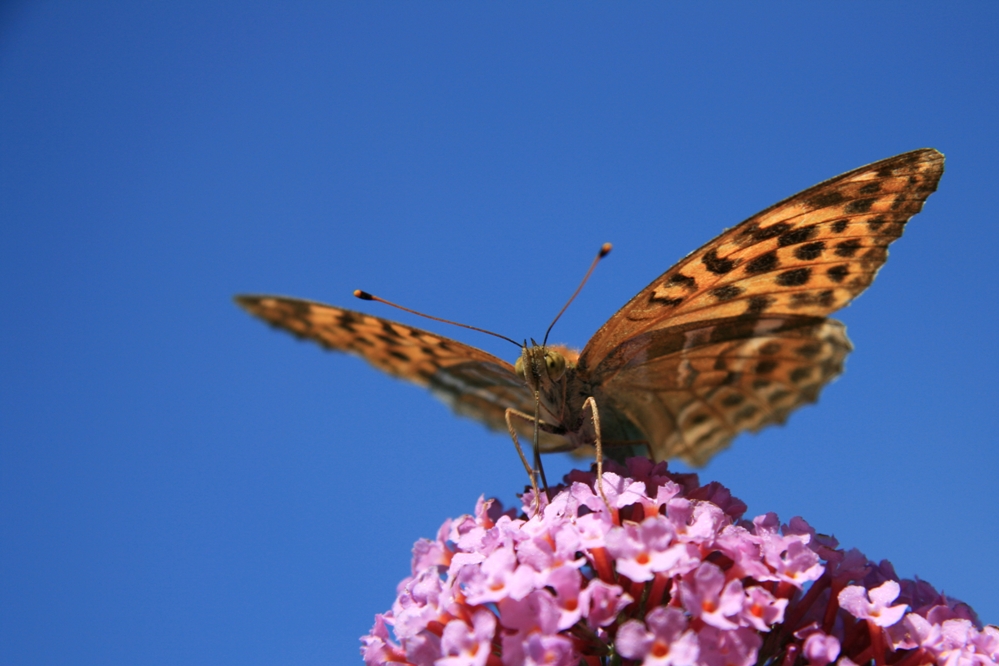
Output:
(531, 473)
(591, 403)
(540, 426)
(536, 444)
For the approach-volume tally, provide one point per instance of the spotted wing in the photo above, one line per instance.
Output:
(692, 389)
(473, 382)
(808, 255)
(683, 357)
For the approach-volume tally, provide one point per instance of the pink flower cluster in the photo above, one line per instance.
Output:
(667, 573)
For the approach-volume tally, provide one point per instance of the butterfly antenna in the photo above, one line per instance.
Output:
(365, 296)
(604, 251)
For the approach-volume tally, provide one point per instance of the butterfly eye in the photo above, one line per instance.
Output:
(518, 367)
(556, 365)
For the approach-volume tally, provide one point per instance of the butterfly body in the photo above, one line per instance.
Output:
(732, 338)
(552, 375)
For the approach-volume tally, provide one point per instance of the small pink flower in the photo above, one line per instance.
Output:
(915, 631)
(760, 610)
(602, 602)
(468, 646)
(958, 643)
(666, 641)
(549, 650)
(532, 618)
(820, 649)
(551, 548)
(743, 548)
(854, 599)
(695, 522)
(738, 647)
(644, 549)
(788, 556)
(567, 583)
(706, 595)
(498, 577)
(418, 603)
(987, 642)
(378, 646)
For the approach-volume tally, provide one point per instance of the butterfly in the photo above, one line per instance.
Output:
(732, 338)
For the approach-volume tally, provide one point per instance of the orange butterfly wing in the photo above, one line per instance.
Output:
(472, 382)
(684, 359)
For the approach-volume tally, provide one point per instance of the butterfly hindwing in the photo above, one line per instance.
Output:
(694, 389)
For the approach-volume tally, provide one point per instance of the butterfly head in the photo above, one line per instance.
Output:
(539, 365)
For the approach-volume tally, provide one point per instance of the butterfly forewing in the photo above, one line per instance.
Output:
(807, 255)
(470, 380)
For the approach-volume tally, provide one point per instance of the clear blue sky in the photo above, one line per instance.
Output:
(180, 484)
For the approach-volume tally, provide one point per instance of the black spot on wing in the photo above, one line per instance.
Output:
(803, 298)
(795, 277)
(727, 293)
(770, 232)
(662, 300)
(347, 322)
(838, 273)
(679, 279)
(766, 366)
(826, 199)
(716, 264)
(799, 235)
(810, 350)
(838, 226)
(759, 304)
(776, 397)
(762, 264)
(706, 437)
(876, 223)
(746, 413)
(810, 251)
(733, 400)
(859, 206)
(799, 375)
(848, 248)
(871, 188)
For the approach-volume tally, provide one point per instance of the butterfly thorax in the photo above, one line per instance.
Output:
(550, 372)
